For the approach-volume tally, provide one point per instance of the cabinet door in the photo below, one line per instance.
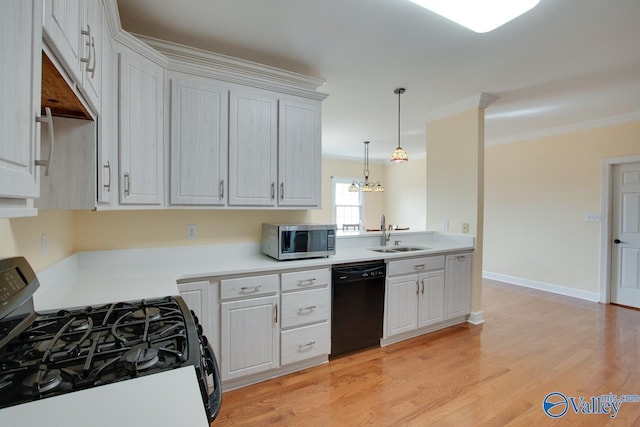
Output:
(250, 336)
(63, 21)
(92, 50)
(253, 132)
(458, 285)
(431, 298)
(299, 154)
(141, 130)
(201, 298)
(20, 68)
(199, 112)
(108, 123)
(401, 312)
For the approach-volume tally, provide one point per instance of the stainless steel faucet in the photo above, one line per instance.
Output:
(384, 237)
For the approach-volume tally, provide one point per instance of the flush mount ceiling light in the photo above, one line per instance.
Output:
(399, 155)
(366, 186)
(480, 16)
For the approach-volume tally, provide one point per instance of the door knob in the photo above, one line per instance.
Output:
(617, 241)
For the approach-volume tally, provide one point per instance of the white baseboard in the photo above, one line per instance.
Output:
(476, 318)
(542, 286)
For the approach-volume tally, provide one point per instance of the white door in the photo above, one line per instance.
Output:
(458, 285)
(20, 68)
(431, 298)
(625, 251)
(199, 139)
(250, 336)
(253, 143)
(401, 312)
(141, 103)
(63, 33)
(299, 149)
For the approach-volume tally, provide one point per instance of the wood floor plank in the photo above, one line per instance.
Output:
(496, 374)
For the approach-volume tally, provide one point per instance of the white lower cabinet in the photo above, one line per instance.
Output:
(249, 327)
(458, 285)
(305, 342)
(415, 294)
(202, 298)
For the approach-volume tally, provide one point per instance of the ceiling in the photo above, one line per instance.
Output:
(564, 65)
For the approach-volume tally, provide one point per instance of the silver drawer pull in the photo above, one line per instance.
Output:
(306, 310)
(419, 267)
(307, 345)
(461, 257)
(306, 282)
(250, 289)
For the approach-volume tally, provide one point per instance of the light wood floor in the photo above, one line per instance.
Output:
(495, 374)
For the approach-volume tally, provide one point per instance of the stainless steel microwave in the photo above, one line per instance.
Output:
(298, 241)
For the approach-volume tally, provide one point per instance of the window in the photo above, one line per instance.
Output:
(348, 207)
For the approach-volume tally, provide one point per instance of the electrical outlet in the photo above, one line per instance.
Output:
(592, 217)
(445, 225)
(192, 231)
(465, 227)
(44, 245)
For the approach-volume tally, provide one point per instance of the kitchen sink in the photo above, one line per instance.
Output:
(408, 248)
(395, 249)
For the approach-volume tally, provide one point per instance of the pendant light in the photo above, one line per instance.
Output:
(399, 155)
(366, 186)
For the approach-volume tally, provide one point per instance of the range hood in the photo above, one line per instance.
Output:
(58, 95)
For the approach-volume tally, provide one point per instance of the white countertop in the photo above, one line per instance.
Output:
(166, 399)
(100, 277)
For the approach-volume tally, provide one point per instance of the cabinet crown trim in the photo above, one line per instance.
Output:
(234, 70)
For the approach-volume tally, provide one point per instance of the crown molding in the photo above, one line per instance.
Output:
(113, 17)
(479, 101)
(559, 130)
(234, 70)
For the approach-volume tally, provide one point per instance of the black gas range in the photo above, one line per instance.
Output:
(48, 354)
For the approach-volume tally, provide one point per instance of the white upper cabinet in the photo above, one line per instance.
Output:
(92, 51)
(253, 142)
(20, 68)
(107, 149)
(199, 141)
(73, 32)
(299, 153)
(141, 111)
(63, 21)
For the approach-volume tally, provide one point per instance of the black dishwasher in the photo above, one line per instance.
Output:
(357, 306)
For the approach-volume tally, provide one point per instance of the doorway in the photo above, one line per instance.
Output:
(620, 242)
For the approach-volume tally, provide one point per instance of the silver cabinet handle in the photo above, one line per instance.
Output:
(422, 286)
(275, 320)
(461, 257)
(127, 184)
(306, 282)
(273, 190)
(417, 287)
(282, 190)
(309, 344)
(92, 70)
(222, 189)
(306, 310)
(107, 186)
(250, 289)
(49, 120)
(419, 267)
(87, 33)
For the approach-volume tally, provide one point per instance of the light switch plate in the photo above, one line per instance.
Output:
(192, 231)
(592, 217)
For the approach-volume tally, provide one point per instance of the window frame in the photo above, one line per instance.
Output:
(334, 206)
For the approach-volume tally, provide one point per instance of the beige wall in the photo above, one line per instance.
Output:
(537, 195)
(143, 229)
(22, 236)
(455, 159)
(405, 195)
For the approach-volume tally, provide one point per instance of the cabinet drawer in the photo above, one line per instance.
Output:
(248, 286)
(299, 308)
(413, 265)
(305, 342)
(305, 279)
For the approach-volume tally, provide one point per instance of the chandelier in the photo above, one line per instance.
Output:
(366, 186)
